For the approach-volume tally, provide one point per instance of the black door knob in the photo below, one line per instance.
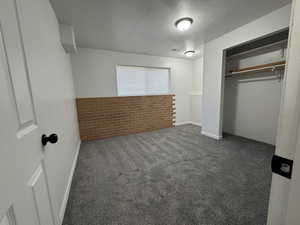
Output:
(52, 139)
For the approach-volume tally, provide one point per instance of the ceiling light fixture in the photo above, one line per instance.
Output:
(189, 53)
(184, 24)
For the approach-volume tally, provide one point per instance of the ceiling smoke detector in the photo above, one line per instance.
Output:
(184, 24)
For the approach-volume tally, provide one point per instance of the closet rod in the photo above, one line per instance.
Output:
(258, 48)
(270, 66)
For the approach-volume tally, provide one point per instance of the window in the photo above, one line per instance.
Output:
(134, 80)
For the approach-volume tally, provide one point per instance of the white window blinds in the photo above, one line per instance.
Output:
(133, 80)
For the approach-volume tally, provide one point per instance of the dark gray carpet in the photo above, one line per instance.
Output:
(171, 177)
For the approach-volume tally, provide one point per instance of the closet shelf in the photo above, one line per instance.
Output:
(282, 43)
(259, 68)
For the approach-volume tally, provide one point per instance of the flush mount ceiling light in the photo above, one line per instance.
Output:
(184, 24)
(189, 53)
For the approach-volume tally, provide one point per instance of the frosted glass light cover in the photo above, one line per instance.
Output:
(184, 24)
(189, 53)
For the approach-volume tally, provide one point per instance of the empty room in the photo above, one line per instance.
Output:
(149, 112)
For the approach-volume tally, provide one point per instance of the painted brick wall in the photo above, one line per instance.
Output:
(116, 116)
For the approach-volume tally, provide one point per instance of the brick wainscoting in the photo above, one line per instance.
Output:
(116, 116)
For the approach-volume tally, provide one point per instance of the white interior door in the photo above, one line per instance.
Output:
(281, 209)
(24, 193)
(293, 215)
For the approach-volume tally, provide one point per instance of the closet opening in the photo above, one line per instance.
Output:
(253, 81)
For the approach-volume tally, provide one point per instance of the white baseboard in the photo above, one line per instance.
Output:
(181, 123)
(196, 124)
(66, 195)
(187, 122)
(217, 137)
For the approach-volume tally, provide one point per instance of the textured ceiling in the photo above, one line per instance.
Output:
(147, 26)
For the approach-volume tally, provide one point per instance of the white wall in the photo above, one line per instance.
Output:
(196, 93)
(95, 75)
(252, 101)
(53, 91)
(213, 64)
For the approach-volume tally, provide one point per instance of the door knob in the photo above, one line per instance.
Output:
(52, 139)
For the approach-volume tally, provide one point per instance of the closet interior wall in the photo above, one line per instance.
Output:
(252, 99)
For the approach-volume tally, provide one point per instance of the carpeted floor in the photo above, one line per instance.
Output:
(172, 176)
